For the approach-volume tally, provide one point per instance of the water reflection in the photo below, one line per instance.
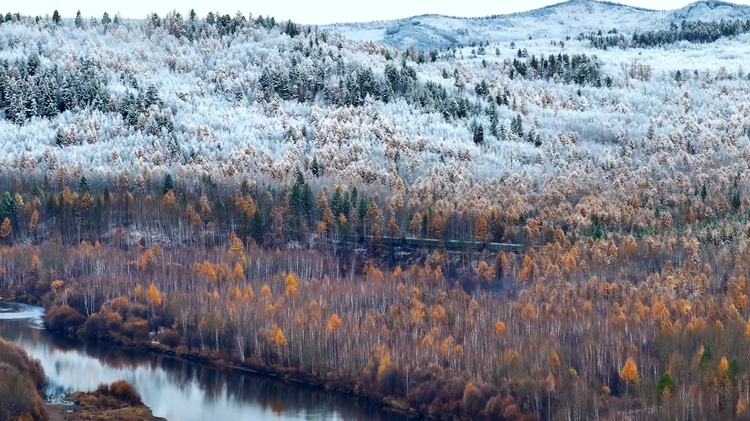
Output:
(174, 389)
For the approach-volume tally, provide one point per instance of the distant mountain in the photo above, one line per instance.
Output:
(555, 21)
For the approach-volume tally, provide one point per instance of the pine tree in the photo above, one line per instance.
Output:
(478, 133)
(168, 184)
(494, 121)
(83, 185)
(56, 18)
(516, 126)
(9, 206)
(105, 19)
(60, 137)
(47, 98)
(16, 103)
(152, 97)
(257, 229)
(315, 168)
(666, 385)
(79, 20)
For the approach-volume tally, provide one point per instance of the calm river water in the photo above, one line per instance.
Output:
(174, 389)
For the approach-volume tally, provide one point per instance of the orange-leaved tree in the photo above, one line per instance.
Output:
(629, 374)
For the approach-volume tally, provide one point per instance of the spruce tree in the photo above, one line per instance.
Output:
(503, 135)
(9, 206)
(79, 20)
(60, 137)
(492, 111)
(516, 126)
(105, 19)
(168, 184)
(257, 230)
(666, 384)
(477, 133)
(152, 97)
(83, 185)
(56, 18)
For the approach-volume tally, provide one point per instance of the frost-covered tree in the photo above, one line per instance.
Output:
(79, 20)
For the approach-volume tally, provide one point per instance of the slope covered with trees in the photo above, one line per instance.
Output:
(22, 382)
(278, 197)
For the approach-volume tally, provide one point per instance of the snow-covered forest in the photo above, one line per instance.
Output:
(574, 195)
(242, 96)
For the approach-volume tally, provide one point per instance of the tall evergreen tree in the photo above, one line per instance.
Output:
(257, 229)
(168, 184)
(494, 120)
(79, 20)
(83, 185)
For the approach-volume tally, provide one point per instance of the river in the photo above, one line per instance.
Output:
(172, 388)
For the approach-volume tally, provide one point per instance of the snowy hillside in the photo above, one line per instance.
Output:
(552, 22)
(243, 97)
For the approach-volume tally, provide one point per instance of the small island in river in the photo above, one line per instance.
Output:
(117, 402)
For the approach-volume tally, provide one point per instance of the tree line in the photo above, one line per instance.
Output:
(698, 32)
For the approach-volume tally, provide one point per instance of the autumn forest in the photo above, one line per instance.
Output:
(492, 231)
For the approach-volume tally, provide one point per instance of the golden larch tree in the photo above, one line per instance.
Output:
(33, 221)
(333, 323)
(154, 298)
(208, 270)
(238, 272)
(5, 228)
(629, 374)
(291, 284)
(393, 229)
(277, 335)
(169, 199)
(236, 247)
(265, 292)
(415, 224)
(499, 327)
(481, 230)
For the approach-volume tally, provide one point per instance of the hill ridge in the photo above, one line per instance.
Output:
(556, 21)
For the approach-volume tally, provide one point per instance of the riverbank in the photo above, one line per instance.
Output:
(61, 412)
(285, 374)
(337, 386)
(115, 402)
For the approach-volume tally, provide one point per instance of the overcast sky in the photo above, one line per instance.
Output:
(305, 11)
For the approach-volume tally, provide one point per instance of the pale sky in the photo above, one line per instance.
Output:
(305, 11)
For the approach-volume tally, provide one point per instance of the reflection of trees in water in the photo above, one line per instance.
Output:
(267, 393)
(281, 397)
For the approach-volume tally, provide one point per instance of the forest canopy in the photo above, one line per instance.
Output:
(531, 229)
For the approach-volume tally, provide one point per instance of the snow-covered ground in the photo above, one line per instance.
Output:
(552, 22)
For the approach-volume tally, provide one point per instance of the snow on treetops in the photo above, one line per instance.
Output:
(239, 97)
